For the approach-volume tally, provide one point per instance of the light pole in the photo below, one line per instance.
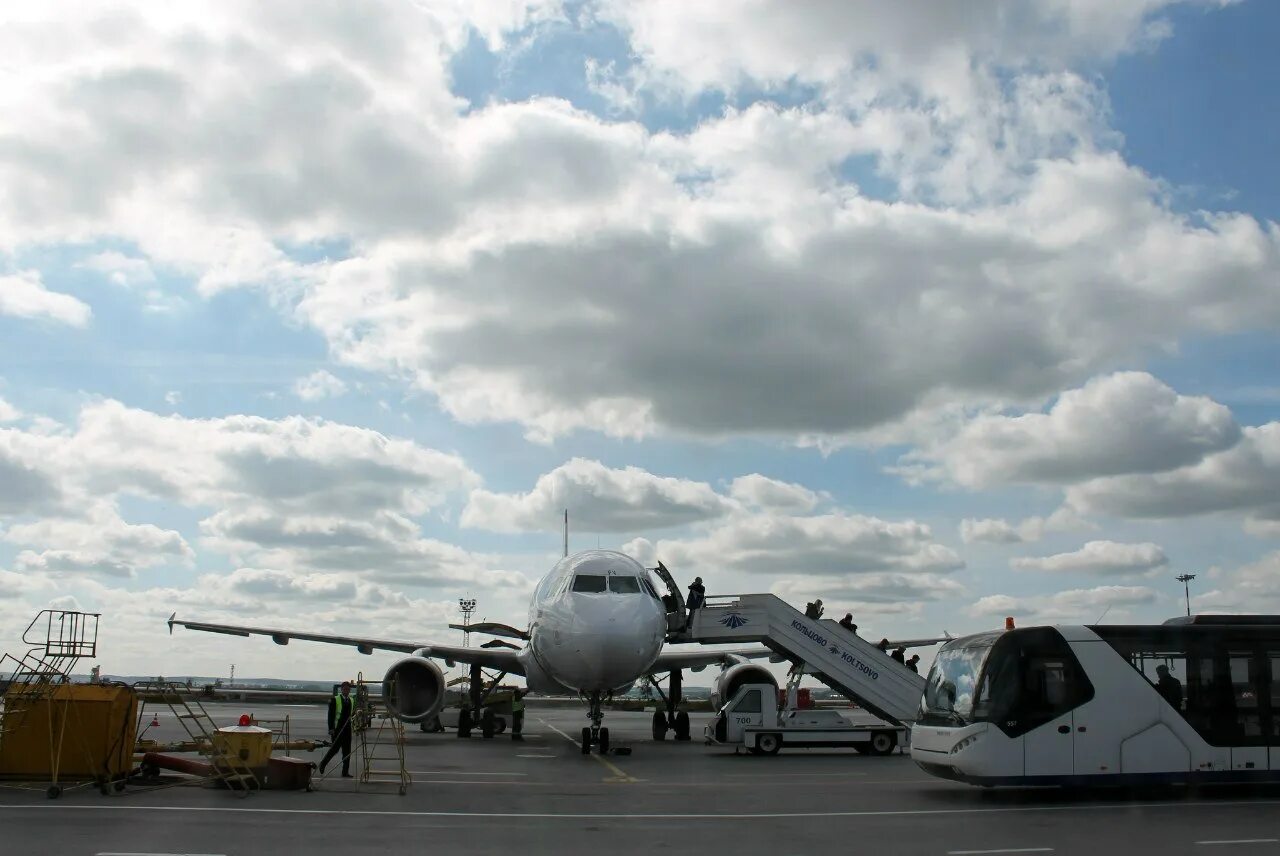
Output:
(1185, 579)
(467, 606)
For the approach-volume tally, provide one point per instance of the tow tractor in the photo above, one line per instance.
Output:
(754, 720)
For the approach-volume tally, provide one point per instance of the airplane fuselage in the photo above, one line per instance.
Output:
(596, 625)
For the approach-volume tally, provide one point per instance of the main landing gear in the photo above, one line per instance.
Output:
(594, 734)
(670, 719)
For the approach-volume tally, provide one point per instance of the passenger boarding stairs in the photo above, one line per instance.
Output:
(840, 659)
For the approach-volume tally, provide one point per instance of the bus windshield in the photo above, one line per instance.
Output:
(950, 689)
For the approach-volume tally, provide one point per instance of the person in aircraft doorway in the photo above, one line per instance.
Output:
(847, 623)
(900, 654)
(341, 709)
(913, 663)
(814, 610)
(697, 597)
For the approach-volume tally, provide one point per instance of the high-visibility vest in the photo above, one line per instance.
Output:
(337, 708)
(517, 704)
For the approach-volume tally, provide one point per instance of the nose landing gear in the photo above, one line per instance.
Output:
(594, 734)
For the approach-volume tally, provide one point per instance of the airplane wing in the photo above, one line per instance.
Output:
(492, 628)
(491, 658)
(699, 660)
(920, 643)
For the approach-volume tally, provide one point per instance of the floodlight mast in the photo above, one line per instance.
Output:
(1185, 579)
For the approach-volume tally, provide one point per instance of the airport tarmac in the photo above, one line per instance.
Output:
(543, 795)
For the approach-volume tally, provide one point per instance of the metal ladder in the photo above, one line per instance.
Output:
(34, 676)
(381, 735)
(227, 766)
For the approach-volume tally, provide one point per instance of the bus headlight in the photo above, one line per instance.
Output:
(965, 743)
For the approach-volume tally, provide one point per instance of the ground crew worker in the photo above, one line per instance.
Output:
(900, 654)
(847, 623)
(1169, 687)
(913, 663)
(341, 709)
(517, 713)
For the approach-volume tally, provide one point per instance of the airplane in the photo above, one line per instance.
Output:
(596, 625)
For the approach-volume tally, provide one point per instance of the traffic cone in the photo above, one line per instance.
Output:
(155, 720)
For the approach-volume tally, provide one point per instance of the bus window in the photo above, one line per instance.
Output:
(1245, 694)
(1231, 690)
(1032, 677)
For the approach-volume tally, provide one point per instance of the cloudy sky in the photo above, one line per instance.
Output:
(318, 313)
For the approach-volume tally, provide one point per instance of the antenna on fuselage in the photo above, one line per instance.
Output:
(566, 533)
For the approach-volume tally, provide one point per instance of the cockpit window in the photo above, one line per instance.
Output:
(589, 583)
(648, 586)
(624, 585)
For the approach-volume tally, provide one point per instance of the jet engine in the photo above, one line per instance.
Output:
(414, 689)
(735, 676)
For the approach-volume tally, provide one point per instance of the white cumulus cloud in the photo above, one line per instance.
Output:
(1108, 558)
(319, 384)
(1074, 606)
(23, 295)
(759, 491)
(828, 544)
(1244, 480)
(599, 499)
(1128, 422)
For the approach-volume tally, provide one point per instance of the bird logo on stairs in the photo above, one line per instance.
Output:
(733, 621)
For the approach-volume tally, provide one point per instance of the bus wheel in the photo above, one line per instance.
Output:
(883, 742)
(769, 744)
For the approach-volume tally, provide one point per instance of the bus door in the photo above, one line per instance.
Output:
(1273, 693)
(1049, 747)
(1247, 724)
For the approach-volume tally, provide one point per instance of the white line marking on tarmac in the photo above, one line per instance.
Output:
(457, 773)
(924, 812)
(535, 756)
(1005, 850)
(619, 775)
(1242, 841)
(114, 853)
(805, 775)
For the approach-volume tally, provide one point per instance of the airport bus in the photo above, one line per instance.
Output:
(1195, 699)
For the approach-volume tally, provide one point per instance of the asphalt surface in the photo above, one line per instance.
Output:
(543, 795)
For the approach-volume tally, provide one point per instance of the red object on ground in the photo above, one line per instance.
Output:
(289, 774)
(179, 765)
(245, 719)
